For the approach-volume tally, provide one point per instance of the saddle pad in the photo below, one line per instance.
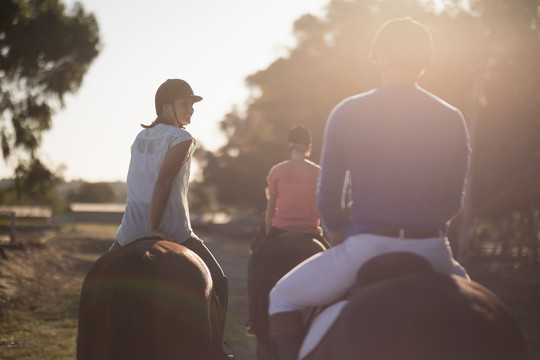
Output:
(320, 326)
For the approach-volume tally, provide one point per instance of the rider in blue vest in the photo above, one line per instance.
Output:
(407, 154)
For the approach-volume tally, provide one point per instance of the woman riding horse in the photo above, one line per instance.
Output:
(157, 181)
(291, 191)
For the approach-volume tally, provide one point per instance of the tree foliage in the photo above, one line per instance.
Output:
(44, 53)
(34, 185)
(484, 62)
(100, 192)
(507, 160)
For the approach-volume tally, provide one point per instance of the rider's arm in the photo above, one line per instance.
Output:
(270, 207)
(332, 178)
(172, 163)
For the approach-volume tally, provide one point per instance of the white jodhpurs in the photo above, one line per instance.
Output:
(326, 277)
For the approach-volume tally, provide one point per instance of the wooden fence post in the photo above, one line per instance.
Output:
(12, 227)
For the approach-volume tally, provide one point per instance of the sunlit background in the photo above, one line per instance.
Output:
(263, 67)
(212, 44)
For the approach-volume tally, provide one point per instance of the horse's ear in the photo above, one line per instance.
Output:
(392, 265)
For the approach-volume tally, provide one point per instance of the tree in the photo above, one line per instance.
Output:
(507, 166)
(37, 185)
(484, 63)
(44, 53)
(329, 63)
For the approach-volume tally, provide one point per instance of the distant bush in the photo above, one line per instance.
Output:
(100, 192)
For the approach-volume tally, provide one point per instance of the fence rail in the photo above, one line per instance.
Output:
(14, 218)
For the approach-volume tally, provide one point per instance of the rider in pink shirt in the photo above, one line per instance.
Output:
(292, 186)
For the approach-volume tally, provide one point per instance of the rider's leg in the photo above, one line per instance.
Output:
(323, 279)
(218, 277)
(327, 276)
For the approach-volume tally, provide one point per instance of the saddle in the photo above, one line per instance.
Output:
(378, 269)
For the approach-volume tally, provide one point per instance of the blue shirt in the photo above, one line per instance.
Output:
(407, 153)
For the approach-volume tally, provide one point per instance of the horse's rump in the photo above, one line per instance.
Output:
(147, 299)
(422, 316)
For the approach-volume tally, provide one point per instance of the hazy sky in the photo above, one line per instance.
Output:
(212, 44)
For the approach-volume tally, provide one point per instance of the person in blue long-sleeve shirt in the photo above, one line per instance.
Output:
(406, 154)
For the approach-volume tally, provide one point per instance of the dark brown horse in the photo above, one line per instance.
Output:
(401, 310)
(150, 299)
(272, 259)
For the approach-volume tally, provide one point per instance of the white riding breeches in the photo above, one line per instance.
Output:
(326, 277)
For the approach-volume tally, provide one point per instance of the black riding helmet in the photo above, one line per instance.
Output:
(171, 90)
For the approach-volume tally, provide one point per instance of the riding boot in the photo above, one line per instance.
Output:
(220, 294)
(286, 333)
(221, 289)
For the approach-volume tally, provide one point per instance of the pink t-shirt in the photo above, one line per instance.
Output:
(296, 205)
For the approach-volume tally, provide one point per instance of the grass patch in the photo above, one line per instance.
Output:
(40, 320)
(42, 333)
(29, 337)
